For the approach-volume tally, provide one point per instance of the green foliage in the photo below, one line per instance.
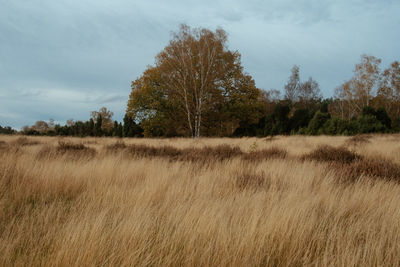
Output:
(383, 117)
(301, 118)
(317, 122)
(281, 119)
(7, 130)
(335, 126)
(97, 128)
(268, 125)
(117, 130)
(130, 128)
(396, 125)
(369, 124)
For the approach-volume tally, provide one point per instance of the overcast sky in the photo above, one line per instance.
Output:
(62, 59)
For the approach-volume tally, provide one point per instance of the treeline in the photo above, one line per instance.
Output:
(7, 130)
(100, 124)
(197, 87)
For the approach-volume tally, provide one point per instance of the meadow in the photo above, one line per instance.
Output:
(281, 201)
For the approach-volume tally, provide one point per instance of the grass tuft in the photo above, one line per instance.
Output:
(247, 179)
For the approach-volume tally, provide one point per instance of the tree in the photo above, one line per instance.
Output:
(281, 119)
(309, 93)
(97, 127)
(117, 129)
(70, 122)
(336, 126)
(355, 94)
(196, 85)
(369, 124)
(106, 118)
(366, 76)
(301, 118)
(130, 128)
(389, 90)
(317, 122)
(293, 85)
(40, 126)
(51, 124)
(383, 117)
(7, 130)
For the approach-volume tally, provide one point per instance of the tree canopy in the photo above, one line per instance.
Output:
(196, 87)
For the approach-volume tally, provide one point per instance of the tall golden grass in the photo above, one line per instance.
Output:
(185, 202)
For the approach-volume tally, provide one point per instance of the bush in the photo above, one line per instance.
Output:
(301, 118)
(332, 154)
(317, 122)
(374, 168)
(208, 153)
(382, 116)
(119, 145)
(281, 120)
(335, 126)
(268, 153)
(7, 130)
(75, 151)
(358, 140)
(369, 124)
(396, 125)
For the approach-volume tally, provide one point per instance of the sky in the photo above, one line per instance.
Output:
(63, 59)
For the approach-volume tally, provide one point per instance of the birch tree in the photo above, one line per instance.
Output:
(293, 85)
(192, 65)
(389, 90)
(366, 77)
(195, 81)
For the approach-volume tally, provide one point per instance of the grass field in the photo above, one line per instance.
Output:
(286, 201)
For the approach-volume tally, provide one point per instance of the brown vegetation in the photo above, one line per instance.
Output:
(373, 168)
(360, 139)
(351, 166)
(327, 153)
(149, 202)
(24, 141)
(204, 154)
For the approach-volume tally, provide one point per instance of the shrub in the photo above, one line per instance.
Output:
(369, 124)
(301, 118)
(205, 154)
(382, 116)
(335, 126)
(119, 145)
(208, 153)
(74, 151)
(358, 140)
(268, 153)
(317, 122)
(374, 168)
(149, 151)
(64, 146)
(332, 154)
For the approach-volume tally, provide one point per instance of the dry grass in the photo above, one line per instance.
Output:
(184, 202)
(359, 139)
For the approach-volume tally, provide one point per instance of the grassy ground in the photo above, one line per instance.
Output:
(286, 201)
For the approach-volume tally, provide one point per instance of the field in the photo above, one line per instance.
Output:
(282, 201)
